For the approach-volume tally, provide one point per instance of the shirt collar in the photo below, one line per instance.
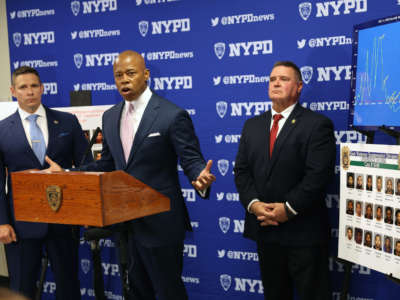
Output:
(142, 100)
(285, 113)
(24, 114)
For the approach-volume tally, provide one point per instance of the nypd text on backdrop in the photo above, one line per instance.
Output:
(31, 13)
(335, 8)
(240, 19)
(94, 33)
(93, 6)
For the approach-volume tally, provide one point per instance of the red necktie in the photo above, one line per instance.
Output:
(274, 131)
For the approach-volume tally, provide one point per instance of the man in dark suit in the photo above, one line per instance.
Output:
(162, 134)
(285, 161)
(61, 137)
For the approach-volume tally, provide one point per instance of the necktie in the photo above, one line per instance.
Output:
(274, 131)
(127, 131)
(37, 139)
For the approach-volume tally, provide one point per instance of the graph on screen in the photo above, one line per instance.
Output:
(376, 97)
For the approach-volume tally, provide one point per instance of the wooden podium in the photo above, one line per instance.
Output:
(83, 198)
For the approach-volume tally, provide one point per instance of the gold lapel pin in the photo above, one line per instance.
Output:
(55, 122)
(293, 121)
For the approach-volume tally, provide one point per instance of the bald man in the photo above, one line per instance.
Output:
(162, 134)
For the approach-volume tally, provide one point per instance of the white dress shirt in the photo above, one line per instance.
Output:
(41, 121)
(285, 114)
(139, 105)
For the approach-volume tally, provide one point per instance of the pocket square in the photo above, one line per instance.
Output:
(154, 134)
(63, 134)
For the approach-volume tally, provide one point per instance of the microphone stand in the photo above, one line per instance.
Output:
(93, 235)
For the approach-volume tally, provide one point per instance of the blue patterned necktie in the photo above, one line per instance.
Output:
(37, 139)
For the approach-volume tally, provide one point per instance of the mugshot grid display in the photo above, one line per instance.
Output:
(369, 224)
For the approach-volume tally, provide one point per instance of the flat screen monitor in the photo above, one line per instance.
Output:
(375, 85)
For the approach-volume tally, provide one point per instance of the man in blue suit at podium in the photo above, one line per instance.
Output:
(145, 135)
(26, 136)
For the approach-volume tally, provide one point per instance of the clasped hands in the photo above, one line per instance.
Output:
(269, 214)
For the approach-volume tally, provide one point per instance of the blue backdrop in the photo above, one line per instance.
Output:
(212, 58)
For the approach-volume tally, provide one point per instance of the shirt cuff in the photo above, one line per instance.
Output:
(251, 203)
(291, 208)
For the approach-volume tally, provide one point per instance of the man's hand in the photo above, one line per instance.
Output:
(276, 212)
(7, 234)
(262, 211)
(54, 167)
(205, 179)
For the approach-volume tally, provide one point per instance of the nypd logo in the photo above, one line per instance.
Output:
(49, 287)
(94, 86)
(225, 224)
(228, 196)
(335, 73)
(167, 55)
(94, 6)
(331, 41)
(94, 34)
(240, 79)
(241, 284)
(190, 251)
(85, 265)
(164, 26)
(110, 269)
(189, 195)
(241, 19)
(95, 60)
(34, 38)
(239, 109)
(39, 63)
(349, 136)
(227, 138)
(149, 2)
(306, 73)
(223, 166)
(173, 83)
(31, 13)
(332, 8)
(244, 48)
(50, 88)
(237, 255)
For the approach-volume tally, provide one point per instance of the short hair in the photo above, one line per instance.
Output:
(289, 64)
(24, 70)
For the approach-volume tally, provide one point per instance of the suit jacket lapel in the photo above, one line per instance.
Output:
(53, 129)
(148, 118)
(290, 124)
(115, 139)
(18, 132)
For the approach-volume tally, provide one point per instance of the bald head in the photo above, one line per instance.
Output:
(130, 75)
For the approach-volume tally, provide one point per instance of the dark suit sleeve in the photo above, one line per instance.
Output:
(245, 183)
(186, 145)
(4, 209)
(319, 168)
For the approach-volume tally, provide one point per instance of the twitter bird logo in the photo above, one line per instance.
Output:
(220, 196)
(214, 21)
(73, 35)
(217, 80)
(221, 253)
(301, 44)
(218, 138)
